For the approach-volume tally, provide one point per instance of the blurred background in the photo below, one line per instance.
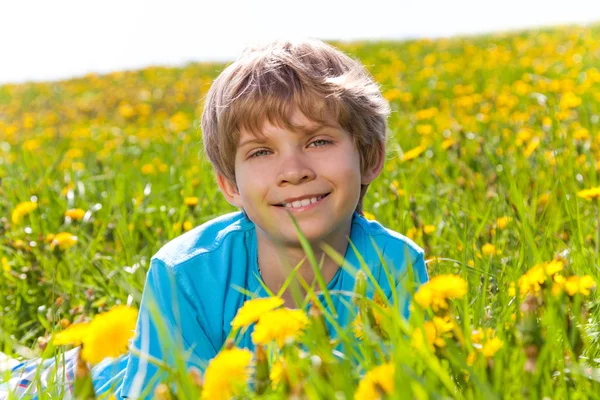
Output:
(48, 40)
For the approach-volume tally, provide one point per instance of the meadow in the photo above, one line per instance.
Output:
(493, 168)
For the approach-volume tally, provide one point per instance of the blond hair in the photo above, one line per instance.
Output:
(270, 80)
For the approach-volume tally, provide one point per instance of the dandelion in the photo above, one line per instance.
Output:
(277, 372)
(435, 333)
(107, 335)
(64, 241)
(491, 347)
(590, 194)
(414, 153)
(227, 374)
(253, 309)
(369, 216)
(191, 201)
(378, 379)
(281, 325)
(485, 342)
(502, 222)
(534, 278)
(488, 249)
(5, 265)
(579, 284)
(439, 290)
(379, 312)
(446, 144)
(76, 214)
(187, 226)
(73, 335)
(22, 210)
(148, 169)
(428, 229)
(535, 142)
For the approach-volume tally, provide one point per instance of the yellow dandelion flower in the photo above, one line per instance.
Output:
(281, 325)
(427, 335)
(534, 278)
(502, 222)
(253, 309)
(379, 314)
(379, 378)
(414, 153)
(188, 226)
(439, 290)
(76, 214)
(435, 333)
(191, 201)
(227, 374)
(590, 194)
(553, 267)
(579, 284)
(569, 100)
(277, 372)
(108, 334)
(535, 142)
(73, 335)
(491, 347)
(21, 210)
(446, 144)
(369, 216)
(488, 249)
(412, 233)
(148, 169)
(64, 241)
(479, 335)
(428, 229)
(5, 265)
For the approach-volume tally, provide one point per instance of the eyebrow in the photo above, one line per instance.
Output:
(305, 132)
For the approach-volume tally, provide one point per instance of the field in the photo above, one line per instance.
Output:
(493, 168)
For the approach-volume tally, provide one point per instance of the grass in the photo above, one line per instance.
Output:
(503, 126)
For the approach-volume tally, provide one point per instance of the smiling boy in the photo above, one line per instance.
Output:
(292, 127)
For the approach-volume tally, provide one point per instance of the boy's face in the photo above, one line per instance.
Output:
(293, 168)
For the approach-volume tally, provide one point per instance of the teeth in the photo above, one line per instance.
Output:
(303, 203)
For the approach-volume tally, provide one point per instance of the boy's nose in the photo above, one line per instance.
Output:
(294, 171)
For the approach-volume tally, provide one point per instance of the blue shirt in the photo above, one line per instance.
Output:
(190, 297)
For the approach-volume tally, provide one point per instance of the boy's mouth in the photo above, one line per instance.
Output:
(302, 202)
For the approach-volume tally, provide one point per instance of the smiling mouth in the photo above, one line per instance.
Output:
(304, 202)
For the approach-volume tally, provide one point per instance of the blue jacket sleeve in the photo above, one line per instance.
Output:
(168, 331)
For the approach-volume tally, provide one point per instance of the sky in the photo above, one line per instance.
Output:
(49, 40)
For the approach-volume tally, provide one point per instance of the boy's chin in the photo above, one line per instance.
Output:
(313, 234)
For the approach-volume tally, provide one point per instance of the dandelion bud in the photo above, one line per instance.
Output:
(83, 386)
(162, 392)
(196, 376)
(261, 375)
(531, 352)
(360, 285)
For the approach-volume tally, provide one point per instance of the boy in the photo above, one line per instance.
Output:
(292, 127)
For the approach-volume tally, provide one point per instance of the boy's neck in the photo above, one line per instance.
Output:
(276, 262)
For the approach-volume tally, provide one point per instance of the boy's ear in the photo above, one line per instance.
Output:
(229, 190)
(374, 170)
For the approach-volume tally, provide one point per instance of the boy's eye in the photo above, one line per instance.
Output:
(321, 142)
(259, 153)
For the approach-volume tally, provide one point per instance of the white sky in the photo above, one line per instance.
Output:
(55, 39)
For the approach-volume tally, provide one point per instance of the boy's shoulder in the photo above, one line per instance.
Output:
(385, 238)
(205, 238)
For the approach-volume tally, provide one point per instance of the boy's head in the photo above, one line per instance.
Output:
(277, 93)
